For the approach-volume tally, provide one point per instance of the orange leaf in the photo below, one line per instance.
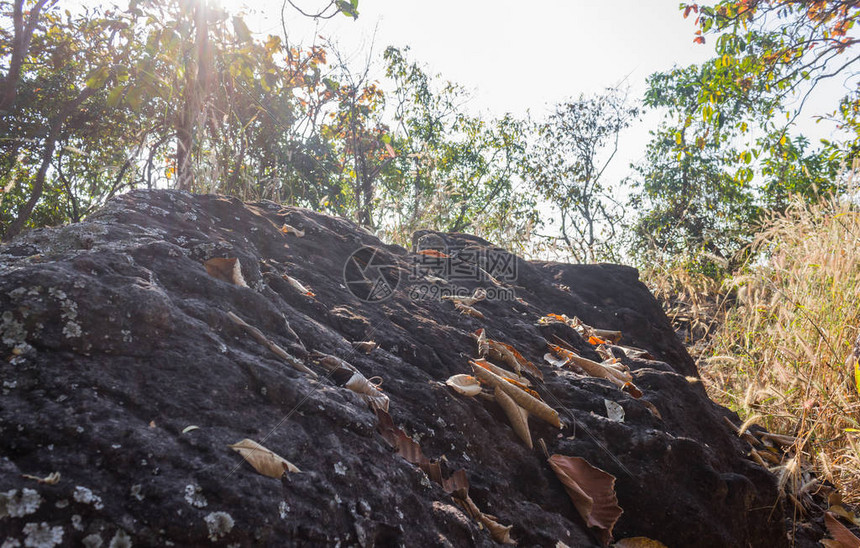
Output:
(432, 253)
(699, 40)
(595, 340)
(592, 491)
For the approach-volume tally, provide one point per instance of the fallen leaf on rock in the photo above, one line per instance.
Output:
(264, 461)
(298, 286)
(652, 408)
(227, 270)
(464, 384)
(517, 416)
(369, 392)
(592, 335)
(506, 353)
(51, 479)
(433, 253)
(435, 279)
(480, 336)
(287, 229)
(638, 542)
(500, 533)
(632, 389)
(840, 510)
(346, 374)
(190, 428)
(258, 335)
(479, 295)
(468, 310)
(843, 537)
(552, 360)
(614, 411)
(534, 406)
(592, 368)
(502, 372)
(592, 491)
(365, 346)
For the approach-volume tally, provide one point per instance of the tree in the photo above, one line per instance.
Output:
(572, 150)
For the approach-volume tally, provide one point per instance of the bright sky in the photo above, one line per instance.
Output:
(520, 56)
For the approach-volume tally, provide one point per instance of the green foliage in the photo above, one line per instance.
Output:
(724, 153)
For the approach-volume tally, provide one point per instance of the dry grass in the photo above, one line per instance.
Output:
(779, 355)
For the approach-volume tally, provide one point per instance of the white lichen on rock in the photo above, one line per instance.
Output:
(219, 524)
(86, 496)
(92, 541)
(120, 540)
(17, 505)
(283, 509)
(194, 496)
(42, 535)
(137, 491)
(69, 308)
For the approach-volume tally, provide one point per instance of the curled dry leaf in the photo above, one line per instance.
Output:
(614, 411)
(258, 335)
(517, 416)
(368, 391)
(507, 354)
(502, 372)
(592, 491)
(534, 406)
(365, 346)
(840, 510)
(227, 270)
(554, 361)
(264, 461)
(435, 279)
(481, 337)
(479, 295)
(500, 533)
(433, 253)
(51, 479)
(638, 542)
(591, 367)
(464, 384)
(652, 408)
(287, 229)
(468, 310)
(593, 335)
(841, 534)
(632, 389)
(298, 286)
(190, 428)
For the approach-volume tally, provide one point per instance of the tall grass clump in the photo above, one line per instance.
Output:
(779, 356)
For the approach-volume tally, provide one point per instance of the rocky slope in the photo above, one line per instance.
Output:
(124, 373)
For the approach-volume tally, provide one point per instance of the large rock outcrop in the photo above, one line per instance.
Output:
(115, 341)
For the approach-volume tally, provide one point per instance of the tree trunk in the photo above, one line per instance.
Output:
(20, 221)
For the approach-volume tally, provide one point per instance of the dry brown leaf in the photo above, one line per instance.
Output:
(481, 337)
(287, 229)
(468, 310)
(227, 270)
(534, 406)
(369, 392)
(51, 479)
(500, 533)
(298, 286)
(593, 335)
(506, 353)
(517, 416)
(652, 408)
(502, 372)
(365, 346)
(464, 384)
(638, 542)
(840, 533)
(840, 510)
(264, 461)
(592, 368)
(632, 389)
(479, 295)
(592, 491)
